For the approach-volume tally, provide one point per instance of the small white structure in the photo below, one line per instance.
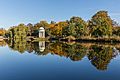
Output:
(41, 32)
(42, 46)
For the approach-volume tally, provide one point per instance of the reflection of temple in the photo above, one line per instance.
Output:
(42, 46)
(1, 38)
(41, 32)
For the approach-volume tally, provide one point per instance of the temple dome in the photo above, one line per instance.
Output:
(42, 28)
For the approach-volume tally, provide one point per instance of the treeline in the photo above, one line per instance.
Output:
(100, 25)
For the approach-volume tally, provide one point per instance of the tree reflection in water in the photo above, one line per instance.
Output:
(99, 55)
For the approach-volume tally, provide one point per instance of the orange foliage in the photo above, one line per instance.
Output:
(56, 29)
(2, 31)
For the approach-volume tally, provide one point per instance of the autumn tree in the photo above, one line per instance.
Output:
(30, 29)
(100, 24)
(76, 27)
(57, 28)
(2, 32)
(80, 26)
(18, 32)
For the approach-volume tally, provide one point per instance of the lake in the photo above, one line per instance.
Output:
(22, 60)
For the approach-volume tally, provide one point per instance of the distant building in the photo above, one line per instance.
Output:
(41, 32)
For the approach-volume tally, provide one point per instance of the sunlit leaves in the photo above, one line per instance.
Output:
(100, 24)
(2, 32)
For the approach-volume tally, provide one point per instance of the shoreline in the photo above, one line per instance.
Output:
(82, 39)
(92, 39)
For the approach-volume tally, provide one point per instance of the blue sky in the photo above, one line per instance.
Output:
(13, 12)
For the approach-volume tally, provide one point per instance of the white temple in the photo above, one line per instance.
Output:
(41, 32)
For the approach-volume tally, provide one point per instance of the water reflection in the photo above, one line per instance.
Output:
(3, 43)
(99, 55)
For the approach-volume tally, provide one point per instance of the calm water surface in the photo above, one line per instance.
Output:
(22, 60)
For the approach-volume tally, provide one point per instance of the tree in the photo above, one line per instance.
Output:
(18, 32)
(80, 26)
(30, 29)
(76, 27)
(57, 29)
(100, 24)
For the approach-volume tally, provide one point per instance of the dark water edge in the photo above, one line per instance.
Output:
(91, 40)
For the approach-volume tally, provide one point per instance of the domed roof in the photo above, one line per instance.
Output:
(41, 28)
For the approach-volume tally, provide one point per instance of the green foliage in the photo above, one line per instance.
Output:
(30, 29)
(18, 32)
(80, 26)
(100, 24)
(77, 27)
